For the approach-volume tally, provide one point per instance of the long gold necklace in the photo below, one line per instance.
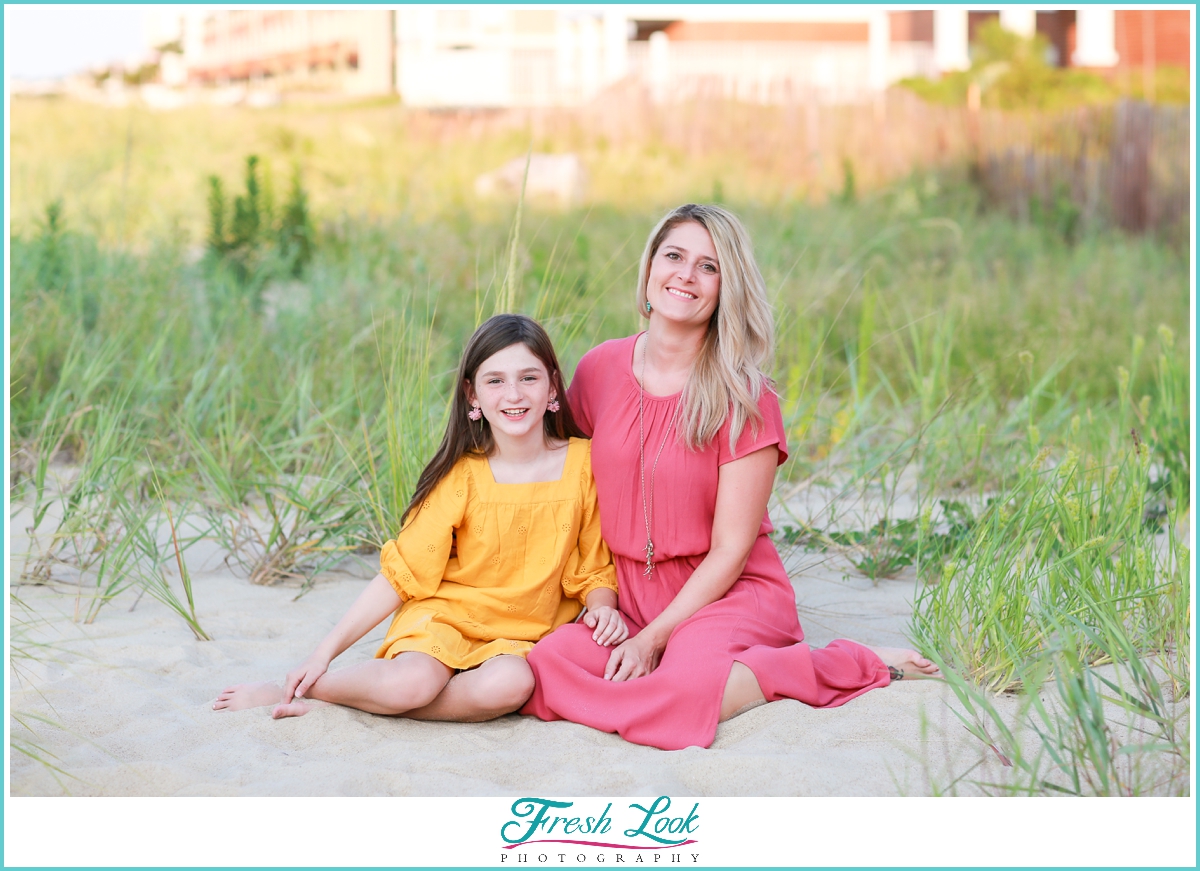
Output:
(648, 507)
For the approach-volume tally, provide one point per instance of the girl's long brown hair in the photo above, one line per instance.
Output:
(465, 436)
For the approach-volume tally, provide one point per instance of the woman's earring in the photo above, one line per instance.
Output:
(648, 307)
(552, 406)
(475, 413)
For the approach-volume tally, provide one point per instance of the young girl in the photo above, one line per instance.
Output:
(500, 545)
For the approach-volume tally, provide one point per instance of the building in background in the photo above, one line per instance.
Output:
(346, 51)
(496, 56)
(172, 39)
(492, 56)
(1092, 37)
(770, 54)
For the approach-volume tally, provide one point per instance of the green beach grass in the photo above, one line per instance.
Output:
(1015, 401)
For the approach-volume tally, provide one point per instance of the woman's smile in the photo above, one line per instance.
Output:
(684, 283)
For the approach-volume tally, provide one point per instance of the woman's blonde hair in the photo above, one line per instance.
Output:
(731, 372)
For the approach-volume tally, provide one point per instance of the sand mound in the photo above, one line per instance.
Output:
(123, 707)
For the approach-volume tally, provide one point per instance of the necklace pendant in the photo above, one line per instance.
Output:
(649, 558)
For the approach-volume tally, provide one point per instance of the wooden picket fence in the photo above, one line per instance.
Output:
(1127, 164)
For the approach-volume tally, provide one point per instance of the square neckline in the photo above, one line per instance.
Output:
(571, 452)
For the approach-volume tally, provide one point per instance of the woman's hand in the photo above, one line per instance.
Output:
(637, 657)
(609, 625)
(743, 488)
(303, 676)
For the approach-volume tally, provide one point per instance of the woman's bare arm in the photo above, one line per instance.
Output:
(743, 489)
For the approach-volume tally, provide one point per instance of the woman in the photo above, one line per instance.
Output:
(686, 434)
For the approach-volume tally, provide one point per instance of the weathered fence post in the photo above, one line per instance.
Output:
(1133, 137)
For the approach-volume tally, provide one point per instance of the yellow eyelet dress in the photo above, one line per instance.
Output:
(527, 557)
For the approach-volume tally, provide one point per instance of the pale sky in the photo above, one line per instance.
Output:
(46, 41)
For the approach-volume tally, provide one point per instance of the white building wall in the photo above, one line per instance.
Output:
(493, 57)
(454, 57)
(616, 46)
(193, 35)
(161, 25)
(1095, 37)
(590, 58)
(879, 37)
(950, 49)
(376, 65)
(1019, 19)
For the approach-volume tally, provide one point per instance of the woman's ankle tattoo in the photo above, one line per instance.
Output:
(895, 673)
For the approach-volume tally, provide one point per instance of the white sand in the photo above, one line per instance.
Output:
(128, 700)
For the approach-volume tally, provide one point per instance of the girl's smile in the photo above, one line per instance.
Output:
(512, 389)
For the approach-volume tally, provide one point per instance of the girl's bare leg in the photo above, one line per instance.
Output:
(412, 684)
(498, 687)
(380, 686)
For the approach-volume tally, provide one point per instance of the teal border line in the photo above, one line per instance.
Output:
(1195, 396)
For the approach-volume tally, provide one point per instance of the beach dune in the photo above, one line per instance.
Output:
(123, 707)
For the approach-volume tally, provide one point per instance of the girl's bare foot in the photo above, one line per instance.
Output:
(905, 664)
(248, 695)
(297, 707)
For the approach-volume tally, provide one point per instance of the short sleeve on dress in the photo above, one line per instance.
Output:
(591, 383)
(770, 431)
(415, 561)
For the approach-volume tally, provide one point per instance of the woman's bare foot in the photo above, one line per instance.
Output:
(248, 695)
(905, 664)
(297, 707)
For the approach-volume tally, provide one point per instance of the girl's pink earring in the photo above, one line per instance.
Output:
(552, 406)
(475, 413)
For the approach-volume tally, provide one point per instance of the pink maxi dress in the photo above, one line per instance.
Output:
(755, 623)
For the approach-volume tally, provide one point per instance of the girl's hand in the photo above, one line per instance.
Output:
(303, 676)
(637, 657)
(609, 625)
